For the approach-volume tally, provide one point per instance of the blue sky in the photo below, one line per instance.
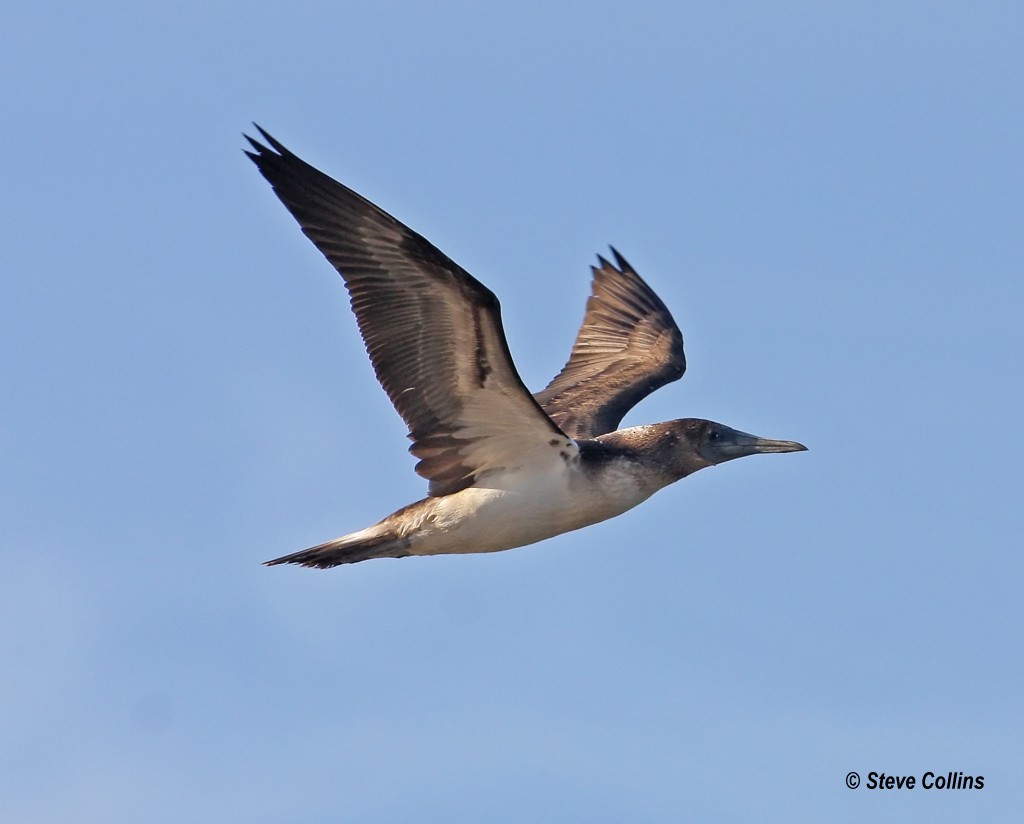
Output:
(829, 198)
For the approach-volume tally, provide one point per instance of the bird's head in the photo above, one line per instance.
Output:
(695, 444)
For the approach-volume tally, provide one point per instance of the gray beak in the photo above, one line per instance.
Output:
(725, 444)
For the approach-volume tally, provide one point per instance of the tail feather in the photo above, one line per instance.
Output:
(349, 549)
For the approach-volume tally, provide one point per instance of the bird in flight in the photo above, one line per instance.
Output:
(505, 467)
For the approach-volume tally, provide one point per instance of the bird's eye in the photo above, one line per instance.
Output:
(714, 435)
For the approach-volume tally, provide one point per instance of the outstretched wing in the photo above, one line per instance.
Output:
(433, 332)
(627, 347)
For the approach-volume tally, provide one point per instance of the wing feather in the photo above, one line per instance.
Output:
(433, 332)
(627, 347)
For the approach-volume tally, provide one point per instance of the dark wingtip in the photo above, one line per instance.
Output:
(621, 264)
(621, 261)
(262, 150)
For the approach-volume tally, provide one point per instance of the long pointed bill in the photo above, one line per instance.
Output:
(728, 444)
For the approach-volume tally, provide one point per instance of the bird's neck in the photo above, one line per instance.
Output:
(658, 452)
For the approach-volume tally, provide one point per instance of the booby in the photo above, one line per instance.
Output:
(505, 467)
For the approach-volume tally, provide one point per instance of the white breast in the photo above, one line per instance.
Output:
(518, 508)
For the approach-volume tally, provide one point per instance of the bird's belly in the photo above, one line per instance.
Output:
(514, 512)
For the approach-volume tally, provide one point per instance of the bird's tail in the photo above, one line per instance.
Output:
(349, 549)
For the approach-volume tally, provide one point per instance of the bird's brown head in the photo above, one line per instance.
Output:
(694, 444)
